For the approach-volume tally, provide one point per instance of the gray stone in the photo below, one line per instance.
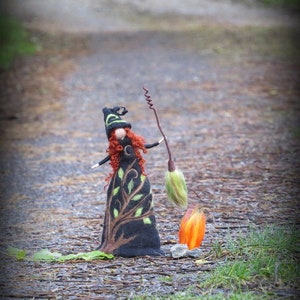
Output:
(179, 250)
(182, 250)
(194, 253)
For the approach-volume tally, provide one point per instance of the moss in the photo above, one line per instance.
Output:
(14, 40)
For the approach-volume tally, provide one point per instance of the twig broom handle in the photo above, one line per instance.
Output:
(171, 164)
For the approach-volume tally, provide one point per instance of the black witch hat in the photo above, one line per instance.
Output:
(113, 120)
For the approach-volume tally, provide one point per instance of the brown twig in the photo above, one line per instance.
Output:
(171, 164)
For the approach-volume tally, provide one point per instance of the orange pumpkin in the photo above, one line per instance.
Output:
(192, 228)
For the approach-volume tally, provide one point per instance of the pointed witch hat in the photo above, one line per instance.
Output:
(174, 180)
(113, 120)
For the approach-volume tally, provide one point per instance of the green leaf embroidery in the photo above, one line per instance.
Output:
(152, 203)
(130, 186)
(138, 212)
(147, 220)
(120, 173)
(143, 177)
(116, 212)
(137, 197)
(115, 190)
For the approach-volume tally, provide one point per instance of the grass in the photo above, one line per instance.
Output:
(292, 4)
(264, 259)
(213, 296)
(14, 41)
(250, 266)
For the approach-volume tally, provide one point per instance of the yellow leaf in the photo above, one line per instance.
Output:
(202, 262)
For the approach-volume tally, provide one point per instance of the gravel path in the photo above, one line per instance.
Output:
(228, 98)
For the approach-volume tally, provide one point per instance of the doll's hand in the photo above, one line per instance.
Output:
(103, 161)
(95, 166)
(161, 140)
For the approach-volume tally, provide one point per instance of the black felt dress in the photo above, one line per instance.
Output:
(129, 225)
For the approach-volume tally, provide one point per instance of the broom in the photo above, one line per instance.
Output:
(174, 180)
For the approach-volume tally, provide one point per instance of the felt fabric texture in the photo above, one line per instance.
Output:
(129, 225)
(113, 120)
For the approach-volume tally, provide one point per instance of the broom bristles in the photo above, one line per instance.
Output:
(176, 188)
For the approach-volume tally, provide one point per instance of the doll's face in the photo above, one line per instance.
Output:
(120, 133)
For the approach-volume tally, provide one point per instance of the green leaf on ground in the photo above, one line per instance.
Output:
(46, 255)
(17, 253)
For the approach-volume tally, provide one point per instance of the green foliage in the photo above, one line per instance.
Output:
(14, 41)
(240, 295)
(262, 257)
(19, 254)
(48, 256)
(294, 4)
(267, 255)
(217, 249)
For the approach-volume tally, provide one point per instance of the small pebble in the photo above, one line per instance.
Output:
(179, 250)
(182, 250)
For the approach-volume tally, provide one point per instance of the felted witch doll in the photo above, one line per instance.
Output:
(129, 224)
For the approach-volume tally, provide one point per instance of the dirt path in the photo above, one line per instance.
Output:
(126, 15)
(229, 100)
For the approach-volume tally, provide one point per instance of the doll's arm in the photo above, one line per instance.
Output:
(103, 161)
(148, 146)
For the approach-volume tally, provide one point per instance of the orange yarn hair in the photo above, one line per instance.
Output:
(114, 150)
